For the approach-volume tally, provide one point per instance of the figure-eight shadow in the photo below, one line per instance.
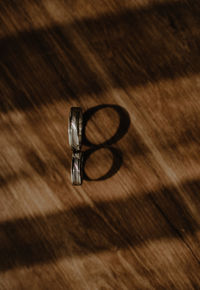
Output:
(124, 123)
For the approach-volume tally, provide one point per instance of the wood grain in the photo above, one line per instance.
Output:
(134, 69)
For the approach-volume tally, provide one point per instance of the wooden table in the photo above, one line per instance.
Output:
(133, 66)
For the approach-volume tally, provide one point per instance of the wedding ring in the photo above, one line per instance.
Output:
(76, 168)
(75, 128)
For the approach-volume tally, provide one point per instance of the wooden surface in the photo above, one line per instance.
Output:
(133, 66)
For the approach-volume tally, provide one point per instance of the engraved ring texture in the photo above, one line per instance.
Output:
(75, 128)
(76, 168)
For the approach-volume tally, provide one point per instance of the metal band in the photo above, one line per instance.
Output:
(76, 169)
(75, 128)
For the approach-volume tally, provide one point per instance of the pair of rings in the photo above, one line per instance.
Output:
(75, 127)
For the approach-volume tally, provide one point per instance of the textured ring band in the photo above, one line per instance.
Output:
(76, 168)
(75, 128)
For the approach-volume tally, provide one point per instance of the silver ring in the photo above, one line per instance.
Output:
(75, 128)
(76, 168)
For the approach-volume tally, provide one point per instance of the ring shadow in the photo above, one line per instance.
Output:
(116, 164)
(117, 156)
(124, 123)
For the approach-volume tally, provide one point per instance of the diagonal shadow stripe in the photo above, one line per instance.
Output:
(81, 231)
(134, 47)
